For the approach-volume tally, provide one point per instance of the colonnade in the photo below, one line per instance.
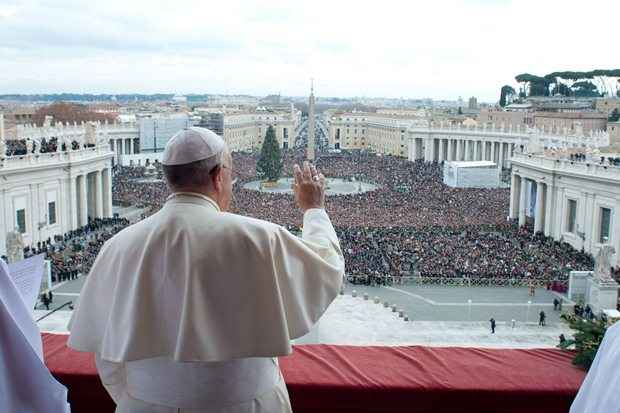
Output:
(125, 146)
(519, 202)
(460, 149)
(92, 196)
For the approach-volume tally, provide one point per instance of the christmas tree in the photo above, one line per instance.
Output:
(269, 165)
(587, 339)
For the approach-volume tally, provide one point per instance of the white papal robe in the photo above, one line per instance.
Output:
(26, 384)
(600, 391)
(188, 308)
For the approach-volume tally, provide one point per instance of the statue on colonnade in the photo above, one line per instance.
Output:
(14, 246)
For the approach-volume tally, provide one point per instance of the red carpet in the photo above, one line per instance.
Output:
(325, 378)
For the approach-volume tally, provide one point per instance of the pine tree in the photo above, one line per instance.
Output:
(588, 338)
(269, 165)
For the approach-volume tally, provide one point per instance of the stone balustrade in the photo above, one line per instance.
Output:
(53, 158)
(443, 142)
(591, 167)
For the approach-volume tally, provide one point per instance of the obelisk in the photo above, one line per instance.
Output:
(311, 137)
(2, 143)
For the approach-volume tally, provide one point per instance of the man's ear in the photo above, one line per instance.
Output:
(216, 178)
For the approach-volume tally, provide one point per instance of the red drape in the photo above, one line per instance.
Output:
(326, 378)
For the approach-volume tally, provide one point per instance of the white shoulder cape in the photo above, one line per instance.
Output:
(195, 284)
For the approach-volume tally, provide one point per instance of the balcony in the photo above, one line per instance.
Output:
(334, 378)
(34, 160)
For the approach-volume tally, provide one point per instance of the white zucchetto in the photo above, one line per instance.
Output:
(192, 145)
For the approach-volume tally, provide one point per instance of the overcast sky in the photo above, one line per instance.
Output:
(435, 48)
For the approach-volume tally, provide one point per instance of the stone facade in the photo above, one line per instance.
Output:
(246, 131)
(416, 138)
(571, 122)
(607, 105)
(386, 134)
(48, 194)
(578, 202)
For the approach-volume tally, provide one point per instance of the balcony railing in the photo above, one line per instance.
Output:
(50, 158)
(589, 168)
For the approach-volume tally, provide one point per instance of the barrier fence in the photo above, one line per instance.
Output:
(378, 280)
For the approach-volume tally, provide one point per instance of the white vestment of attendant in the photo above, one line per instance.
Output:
(26, 385)
(204, 300)
(600, 391)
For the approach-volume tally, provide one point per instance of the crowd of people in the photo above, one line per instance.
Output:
(412, 224)
(75, 252)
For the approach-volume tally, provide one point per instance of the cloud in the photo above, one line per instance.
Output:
(441, 49)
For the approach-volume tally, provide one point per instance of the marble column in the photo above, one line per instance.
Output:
(549, 202)
(539, 215)
(427, 150)
(501, 156)
(442, 150)
(73, 194)
(476, 150)
(107, 192)
(493, 154)
(514, 195)
(98, 188)
(522, 201)
(450, 145)
(459, 149)
(83, 204)
(467, 156)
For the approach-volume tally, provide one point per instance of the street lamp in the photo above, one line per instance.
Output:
(154, 135)
(527, 314)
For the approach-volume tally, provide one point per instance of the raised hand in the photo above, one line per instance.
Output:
(309, 187)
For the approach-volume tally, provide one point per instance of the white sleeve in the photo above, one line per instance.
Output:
(309, 271)
(599, 390)
(319, 234)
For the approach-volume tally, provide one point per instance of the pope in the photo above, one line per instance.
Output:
(189, 308)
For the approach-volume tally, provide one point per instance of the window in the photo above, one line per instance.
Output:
(605, 225)
(572, 215)
(51, 213)
(20, 217)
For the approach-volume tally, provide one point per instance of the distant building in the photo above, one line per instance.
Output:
(574, 201)
(575, 116)
(473, 103)
(110, 108)
(614, 136)
(607, 105)
(156, 131)
(379, 132)
(48, 194)
(245, 129)
(270, 100)
(572, 121)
